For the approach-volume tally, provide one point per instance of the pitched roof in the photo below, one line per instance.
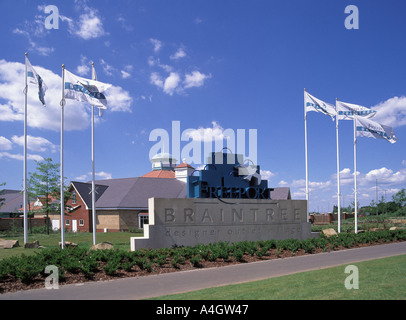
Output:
(13, 201)
(184, 165)
(85, 191)
(167, 174)
(130, 193)
(281, 194)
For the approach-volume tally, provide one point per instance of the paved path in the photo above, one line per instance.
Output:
(171, 283)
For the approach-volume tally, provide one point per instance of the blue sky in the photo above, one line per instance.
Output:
(212, 65)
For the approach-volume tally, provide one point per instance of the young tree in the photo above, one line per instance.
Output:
(1, 193)
(45, 184)
(400, 198)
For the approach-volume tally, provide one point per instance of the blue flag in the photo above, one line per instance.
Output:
(34, 78)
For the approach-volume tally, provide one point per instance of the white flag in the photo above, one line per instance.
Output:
(371, 129)
(85, 90)
(94, 77)
(34, 78)
(346, 111)
(314, 104)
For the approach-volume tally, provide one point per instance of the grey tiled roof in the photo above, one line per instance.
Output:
(130, 192)
(13, 200)
(134, 192)
(281, 194)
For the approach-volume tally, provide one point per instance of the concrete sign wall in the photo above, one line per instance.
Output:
(188, 222)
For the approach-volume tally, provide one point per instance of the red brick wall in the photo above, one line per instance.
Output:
(7, 223)
(81, 213)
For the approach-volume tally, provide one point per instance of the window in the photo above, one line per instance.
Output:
(67, 222)
(73, 197)
(81, 222)
(143, 219)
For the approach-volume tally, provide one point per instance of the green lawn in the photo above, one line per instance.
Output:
(382, 279)
(120, 240)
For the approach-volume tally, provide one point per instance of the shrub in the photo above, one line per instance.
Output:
(238, 254)
(28, 268)
(196, 261)
(89, 267)
(308, 246)
(111, 267)
(176, 260)
(160, 260)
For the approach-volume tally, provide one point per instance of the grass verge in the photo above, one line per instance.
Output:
(382, 279)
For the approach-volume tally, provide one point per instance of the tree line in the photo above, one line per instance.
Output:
(395, 207)
(44, 185)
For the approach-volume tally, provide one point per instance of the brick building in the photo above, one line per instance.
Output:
(122, 204)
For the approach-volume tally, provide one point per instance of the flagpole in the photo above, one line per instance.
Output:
(355, 177)
(62, 178)
(338, 177)
(25, 193)
(306, 155)
(93, 171)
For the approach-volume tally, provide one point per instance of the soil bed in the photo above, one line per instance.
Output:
(11, 284)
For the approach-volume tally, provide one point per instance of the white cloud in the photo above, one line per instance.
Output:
(266, 174)
(119, 100)
(206, 134)
(157, 44)
(108, 69)
(83, 177)
(76, 115)
(43, 51)
(195, 79)
(88, 26)
(84, 68)
(5, 144)
(126, 72)
(37, 144)
(391, 112)
(180, 53)
(99, 175)
(156, 79)
(283, 183)
(104, 175)
(386, 176)
(35, 29)
(20, 156)
(198, 20)
(11, 74)
(171, 83)
(124, 23)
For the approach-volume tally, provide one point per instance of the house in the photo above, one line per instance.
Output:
(122, 204)
(37, 207)
(13, 201)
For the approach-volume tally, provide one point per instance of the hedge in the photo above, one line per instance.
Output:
(88, 263)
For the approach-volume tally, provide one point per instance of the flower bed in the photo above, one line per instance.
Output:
(78, 265)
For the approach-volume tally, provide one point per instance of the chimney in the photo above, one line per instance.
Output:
(183, 171)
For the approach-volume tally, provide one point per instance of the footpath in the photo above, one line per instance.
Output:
(178, 282)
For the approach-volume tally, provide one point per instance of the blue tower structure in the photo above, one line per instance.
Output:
(227, 177)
